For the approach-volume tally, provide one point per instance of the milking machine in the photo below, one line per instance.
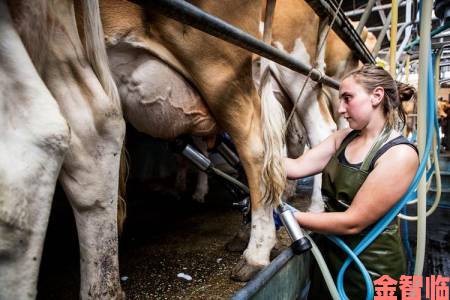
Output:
(283, 214)
(239, 190)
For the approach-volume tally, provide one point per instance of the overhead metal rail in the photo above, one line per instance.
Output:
(433, 33)
(343, 28)
(378, 28)
(360, 11)
(189, 14)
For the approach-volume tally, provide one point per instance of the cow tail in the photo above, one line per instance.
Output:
(273, 124)
(97, 57)
(96, 49)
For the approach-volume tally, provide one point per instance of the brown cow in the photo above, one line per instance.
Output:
(221, 74)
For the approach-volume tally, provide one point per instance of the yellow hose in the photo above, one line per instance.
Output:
(393, 44)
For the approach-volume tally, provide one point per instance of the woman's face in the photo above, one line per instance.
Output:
(355, 104)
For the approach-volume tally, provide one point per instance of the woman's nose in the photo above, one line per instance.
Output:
(341, 108)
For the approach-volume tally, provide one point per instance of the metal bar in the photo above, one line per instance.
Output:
(381, 35)
(378, 28)
(189, 14)
(424, 47)
(407, 28)
(265, 275)
(441, 35)
(357, 12)
(290, 285)
(432, 34)
(381, 13)
(365, 16)
(440, 45)
(343, 28)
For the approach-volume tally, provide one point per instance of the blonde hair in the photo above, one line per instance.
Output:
(371, 77)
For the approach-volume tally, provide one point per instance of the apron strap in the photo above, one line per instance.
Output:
(346, 141)
(381, 139)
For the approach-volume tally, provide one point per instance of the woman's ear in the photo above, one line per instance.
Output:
(377, 95)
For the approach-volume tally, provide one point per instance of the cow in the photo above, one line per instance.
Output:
(295, 30)
(66, 84)
(217, 78)
(35, 137)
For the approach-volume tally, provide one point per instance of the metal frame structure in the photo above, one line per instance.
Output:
(342, 27)
(191, 15)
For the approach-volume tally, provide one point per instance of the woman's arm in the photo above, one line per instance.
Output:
(384, 186)
(314, 160)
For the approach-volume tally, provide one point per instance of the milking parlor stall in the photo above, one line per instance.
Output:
(143, 145)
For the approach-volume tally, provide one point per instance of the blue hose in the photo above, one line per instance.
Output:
(367, 279)
(405, 240)
(387, 219)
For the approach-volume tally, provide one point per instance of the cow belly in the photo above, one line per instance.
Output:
(156, 99)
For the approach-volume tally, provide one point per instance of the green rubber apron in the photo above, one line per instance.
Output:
(385, 256)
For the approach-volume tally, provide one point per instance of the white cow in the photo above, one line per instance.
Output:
(36, 138)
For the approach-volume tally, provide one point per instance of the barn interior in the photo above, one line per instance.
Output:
(173, 247)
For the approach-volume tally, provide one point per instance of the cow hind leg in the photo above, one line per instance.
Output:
(252, 150)
(90, 172)
(34, 140)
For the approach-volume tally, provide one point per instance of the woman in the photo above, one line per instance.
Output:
(365, 169)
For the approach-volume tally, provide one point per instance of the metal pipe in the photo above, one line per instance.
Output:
(378, 28)
(187, 13)
(408, 17)
(365, 16)
(381, 13)
(407, 65)
(343, 28)
(285, 259)
(393, 47)
(424, 48)
(356, 12)
(381, 35)
(442, 35)
(432, 34)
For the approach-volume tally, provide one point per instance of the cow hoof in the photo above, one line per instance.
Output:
(240, 240)
(243, 271)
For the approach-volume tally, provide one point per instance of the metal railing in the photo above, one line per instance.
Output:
(189, 14)
(343, 28)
